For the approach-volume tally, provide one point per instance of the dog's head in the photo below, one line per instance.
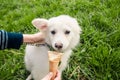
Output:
(62, 32)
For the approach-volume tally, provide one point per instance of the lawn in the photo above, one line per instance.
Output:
(97, 57)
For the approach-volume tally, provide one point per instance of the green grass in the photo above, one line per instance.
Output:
(97, 57)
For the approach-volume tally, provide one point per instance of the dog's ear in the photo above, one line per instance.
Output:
(40, 24)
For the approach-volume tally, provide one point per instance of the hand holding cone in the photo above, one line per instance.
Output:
(54, 59)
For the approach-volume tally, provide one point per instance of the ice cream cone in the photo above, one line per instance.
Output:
(54, 59)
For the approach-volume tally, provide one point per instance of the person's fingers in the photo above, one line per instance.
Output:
(58, 76)
(58, 73)
(39, 37)
(48, 77)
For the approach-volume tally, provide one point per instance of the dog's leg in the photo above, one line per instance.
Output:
(29, 77)
(62, 66)
(64, 60)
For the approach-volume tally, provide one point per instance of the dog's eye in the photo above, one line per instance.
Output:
(67, 32)
(53, 32)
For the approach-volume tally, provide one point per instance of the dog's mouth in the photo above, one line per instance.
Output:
(55, 49)
(58, 50)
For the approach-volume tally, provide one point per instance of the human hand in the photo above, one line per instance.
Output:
(38, 37)
(58, 76)
(49, 76)
(34, 38)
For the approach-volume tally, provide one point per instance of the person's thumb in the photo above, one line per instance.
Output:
(48, 77)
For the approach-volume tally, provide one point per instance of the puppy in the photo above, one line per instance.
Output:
(62, 33)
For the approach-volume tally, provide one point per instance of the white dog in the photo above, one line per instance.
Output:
(62, 34)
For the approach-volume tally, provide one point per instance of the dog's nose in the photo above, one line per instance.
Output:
(58, 45)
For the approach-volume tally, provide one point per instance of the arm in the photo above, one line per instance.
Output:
(10, 40)
(15, 40)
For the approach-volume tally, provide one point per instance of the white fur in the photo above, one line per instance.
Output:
(36, 58)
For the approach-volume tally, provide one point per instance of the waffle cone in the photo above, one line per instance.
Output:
(54, 59)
